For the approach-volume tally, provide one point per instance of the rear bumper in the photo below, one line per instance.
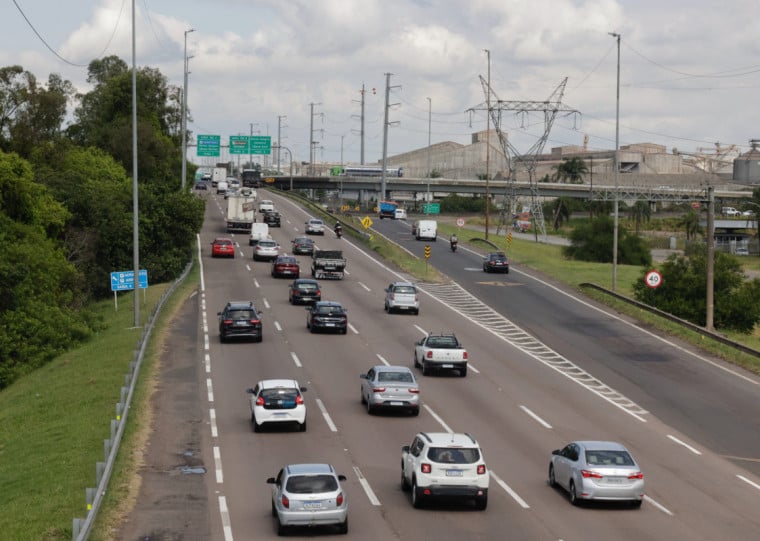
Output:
(312, 518)
(453, 491)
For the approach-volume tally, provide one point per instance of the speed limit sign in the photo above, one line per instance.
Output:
(653, 279)
(460, 222)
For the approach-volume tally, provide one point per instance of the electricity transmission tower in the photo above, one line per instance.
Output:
(550, 107)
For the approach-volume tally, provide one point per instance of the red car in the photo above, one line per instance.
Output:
(222, 247)
(285, 265)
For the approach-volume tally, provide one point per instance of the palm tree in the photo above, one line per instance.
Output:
(560, 211)
(690, 222)
(571, 171)
(640, 212)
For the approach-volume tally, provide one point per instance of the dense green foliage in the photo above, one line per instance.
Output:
(593, 241)
(683, 288)
(454, 203)
(66, 203)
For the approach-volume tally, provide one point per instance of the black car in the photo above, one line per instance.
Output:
(303, 246)
(496, 262)
(304, 291)
(272, 218)
(327, 315)
(239, 319)
(200, 185)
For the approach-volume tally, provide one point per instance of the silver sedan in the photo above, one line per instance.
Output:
(390, 387)
(597, 470)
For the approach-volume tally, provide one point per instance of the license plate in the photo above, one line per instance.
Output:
(613, 480)
(454, 473)
(397, 403)
(312, 505)
(329, 324)
(280, 414)
(447, 365)
(241, 323)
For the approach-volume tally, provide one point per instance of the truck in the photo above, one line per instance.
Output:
(387, 209)
(251, 178)
(328, 264)
(259, 232)
(240, 213)
(219, 174)
(440, 351)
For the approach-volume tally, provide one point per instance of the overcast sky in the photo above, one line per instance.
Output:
(689, 70)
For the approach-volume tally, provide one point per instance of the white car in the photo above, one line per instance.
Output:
(275, 401)
(440, 464)
(266, 250)
(402, 296)
(315, 226)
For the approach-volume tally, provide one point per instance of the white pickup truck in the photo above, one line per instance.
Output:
(440, 351)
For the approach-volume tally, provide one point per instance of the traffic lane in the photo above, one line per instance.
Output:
(649, 370)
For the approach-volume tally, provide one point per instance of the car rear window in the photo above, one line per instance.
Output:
(330, 310)
(307, 287)
(311, 484)
(267, 244)
(401, 377)
(241, 314)
(404, 289)
(609, 458)
(286, 395)
(447, 455)
(443, 342)
(288, 260)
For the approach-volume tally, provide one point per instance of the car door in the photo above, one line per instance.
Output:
(566, 464)
(409, 460)
(368, 383)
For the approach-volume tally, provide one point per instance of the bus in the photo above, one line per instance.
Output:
(366, 171)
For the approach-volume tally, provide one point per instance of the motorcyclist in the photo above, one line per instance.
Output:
(338, 229)
(453, 240)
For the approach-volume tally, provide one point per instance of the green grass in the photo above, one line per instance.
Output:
(53, 423)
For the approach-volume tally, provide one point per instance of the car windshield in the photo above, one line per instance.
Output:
(241, 314)
(447, 455)
(400, 377)
(304, 241)
(609, 458)
(311, 484)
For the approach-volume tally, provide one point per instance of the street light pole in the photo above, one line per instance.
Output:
(488, 144)
(617, 168)
(430, 123)
(290, 155)
(184, 113)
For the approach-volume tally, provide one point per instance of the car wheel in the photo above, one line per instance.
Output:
(290, 299)
(463, 372)
(386, 306)
(274, 510)
(344, 331)
(416, 362)
(552, 479)
(417, 496)
(362, 398)
(415, 412)
(256, 426)
(404, 482)
(298, 275)
(417, 312)
(222, 338)
(343, 528)
(260, 338)
(281, 528)
(302, 426)
(507, 272)
(370, 408)
(573, 495)
(425, 369)
(481, 502)
(636, 504)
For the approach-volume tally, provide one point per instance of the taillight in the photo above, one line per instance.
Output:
(414, 391)
(592, 474)
(285, 502)
(416, 297)
(378, 389)
(637, 475)
(429, 355)
(339, 500)
(464, 355)
(481, 469)
(255, 321)
(260, 401)
(425, 468)
(393, 296)
(317, 293)
(299, 400)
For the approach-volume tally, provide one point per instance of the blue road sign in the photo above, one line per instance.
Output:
(125, 280)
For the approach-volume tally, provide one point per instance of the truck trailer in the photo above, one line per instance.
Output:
(240, 213)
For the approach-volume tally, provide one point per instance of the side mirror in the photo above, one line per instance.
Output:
(303, 389)
(249, 390)
(363, 376)
(556, 452)
(218, 313)
(272, 481)
(405, 449)
(341, 478)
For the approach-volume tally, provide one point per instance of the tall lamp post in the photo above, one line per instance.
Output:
(617, 168)
(430, 121)
(290, 155)
(184, 113)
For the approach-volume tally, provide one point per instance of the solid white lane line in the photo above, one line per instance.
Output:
(207, 362)
(266, 304)
(658, 506)
(277, 325)
(365, 485)
(210, 390)
(382, 359)
(509, 491)
(423, 331)
(295, 359)
(689, 447)
(364, 286)
(438, 418)
(226, 525)
(536, 417)
(748, 481)
(326, 415)
(470, 367)
(218, 465)
(353, 329)
(212, 419)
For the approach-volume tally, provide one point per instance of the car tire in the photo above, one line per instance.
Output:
(636, 504)
(256, 426)
(552, 479)
(274, 510)
(463, 372)
(416, 362)
(417, 496)
(426, 369)
(343, 528)
(222, 338)
(260, 338)
(344, 331)
(404, 482)
(573, 494)
(481, 502)
(281, 528)
(370, 408)
(415, 412)
(361, 398)
(507, 271)
(302, 426)
(417, 312)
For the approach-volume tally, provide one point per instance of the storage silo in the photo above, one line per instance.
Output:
(747, 166)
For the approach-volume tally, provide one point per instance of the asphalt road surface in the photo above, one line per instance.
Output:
(546, 368)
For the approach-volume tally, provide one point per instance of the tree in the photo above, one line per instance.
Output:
(684, 285)
(560, 211)
(593, 242)
(640, 212)
(571, 171)
(690, 222)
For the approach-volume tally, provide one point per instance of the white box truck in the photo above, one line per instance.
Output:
(219, 174)
(259, 231)
(240, 213)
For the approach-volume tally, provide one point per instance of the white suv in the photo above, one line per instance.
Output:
(402, 296)
(443, 464)
(315, 226)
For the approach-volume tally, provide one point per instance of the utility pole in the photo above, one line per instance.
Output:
(184, 113)
(388, 88)
(488, 144)
(617, 169)
(312, 142)
(280, 118)
(429, 172)
(362, 92)
(710, 294)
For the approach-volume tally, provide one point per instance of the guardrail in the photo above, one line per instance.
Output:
(81, 526)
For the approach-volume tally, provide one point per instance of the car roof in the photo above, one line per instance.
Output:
(309, 469)
(315, 219)
(305, 281)
(329, 303)
(278, 384)
(441, 439)
(390, 368)
(409, 284)
(240, 304)
(220, 239)
(598, 445)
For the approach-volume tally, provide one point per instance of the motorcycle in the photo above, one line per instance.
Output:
(453, 245)
(339, 232)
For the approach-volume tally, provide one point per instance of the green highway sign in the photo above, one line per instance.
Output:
(261, 144)
(431, 208)
(208, 145)
(239, 144)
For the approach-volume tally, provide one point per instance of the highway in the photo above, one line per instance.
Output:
(546, 368)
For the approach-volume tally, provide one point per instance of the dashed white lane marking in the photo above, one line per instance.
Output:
(748, 481)
(326, 415)
(212, 421)
(689, 447)
(247, 267)
(295, 359)
(256, 283)
(205, 342)
(353, 329)
(438, 418)
(218, 465)
(226, 525)
(266, 304)
(510, 491)
(471, 367)
(210, 388)
(365, 485)
(277, 325)
(207, 362)
(423, 331)
(382, 359)
(658, 506)
(536, 417)
(364, 286)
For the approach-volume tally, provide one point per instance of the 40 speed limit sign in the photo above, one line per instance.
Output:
(653, 279)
